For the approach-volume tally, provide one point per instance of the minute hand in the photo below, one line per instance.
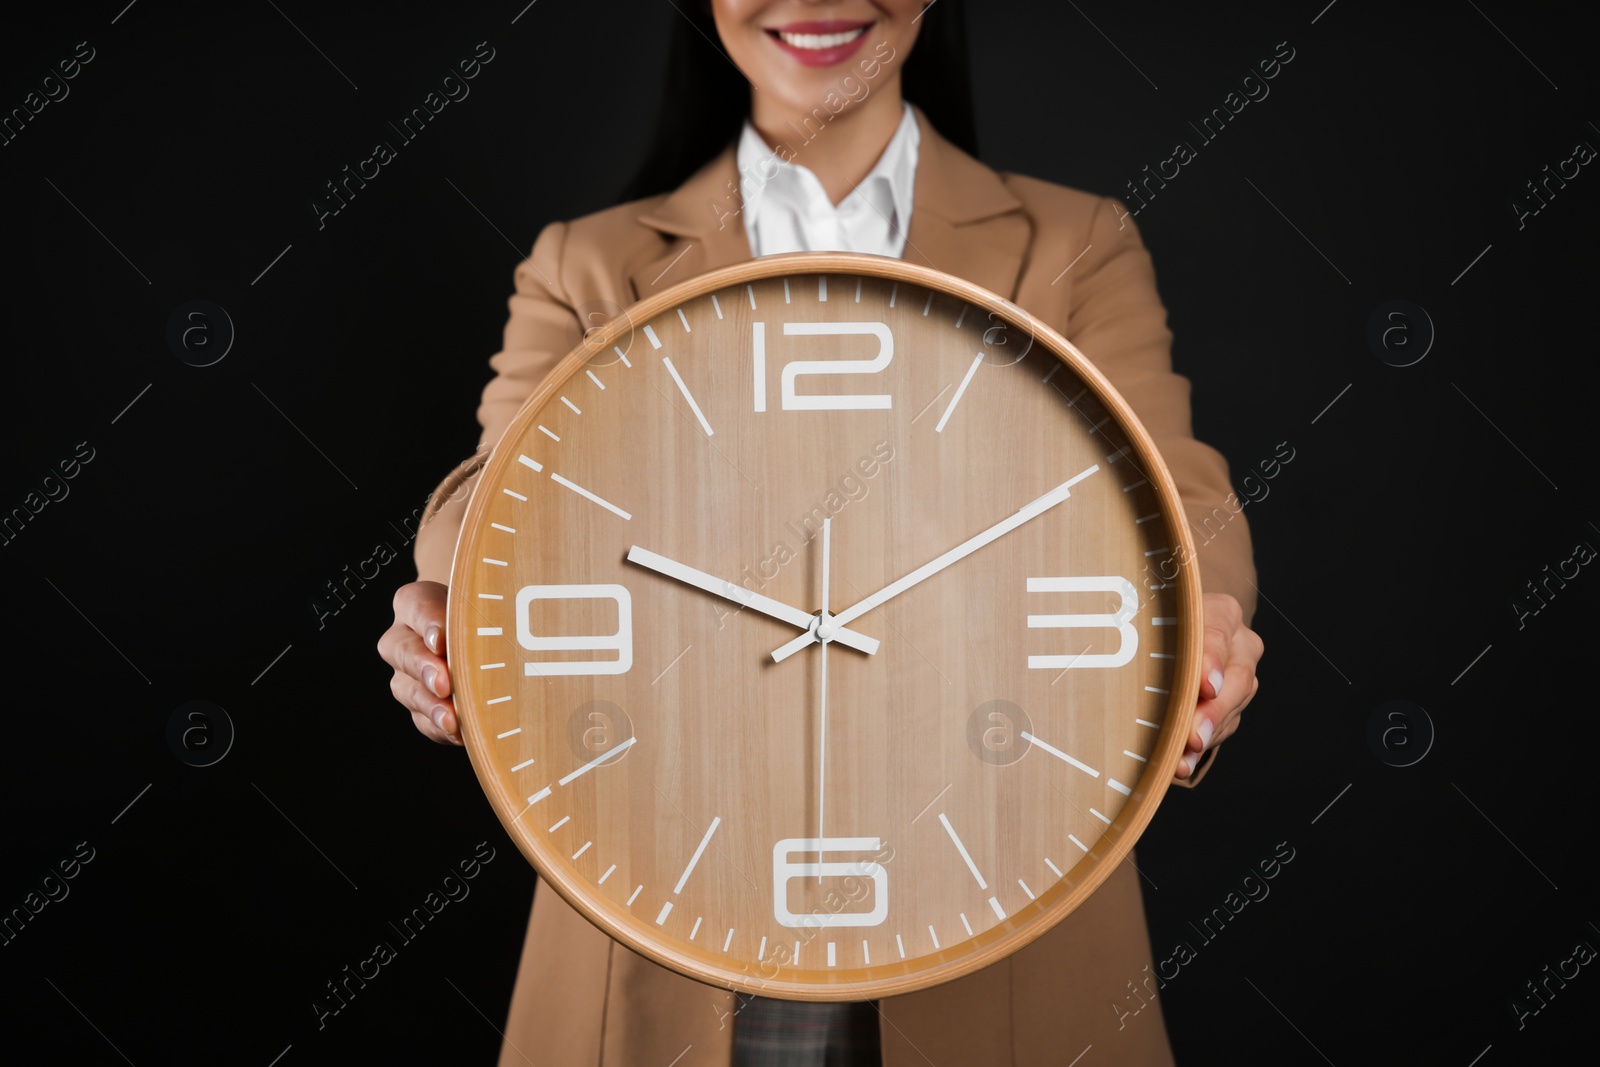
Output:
(1028, 511)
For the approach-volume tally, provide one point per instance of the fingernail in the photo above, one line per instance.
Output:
(1204, 730)
(1189, 761)
(439, 712)
(428, 674)
(1215, 678)
(431, 639)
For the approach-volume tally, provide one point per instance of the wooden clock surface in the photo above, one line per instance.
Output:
(969, 781)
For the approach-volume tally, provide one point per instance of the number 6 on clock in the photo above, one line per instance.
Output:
(785, 870)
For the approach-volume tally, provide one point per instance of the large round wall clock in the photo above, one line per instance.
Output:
(805, 632)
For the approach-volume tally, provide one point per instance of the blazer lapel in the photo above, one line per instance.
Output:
(964, 221)
(703, 223)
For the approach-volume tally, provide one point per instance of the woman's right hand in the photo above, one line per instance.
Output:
(414, 647)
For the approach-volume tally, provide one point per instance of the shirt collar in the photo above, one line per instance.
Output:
(765, 172)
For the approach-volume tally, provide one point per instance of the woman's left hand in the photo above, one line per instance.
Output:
(1228, 678)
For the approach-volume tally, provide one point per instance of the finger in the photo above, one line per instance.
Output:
(421, 606)
(435, 718)
(407, 654)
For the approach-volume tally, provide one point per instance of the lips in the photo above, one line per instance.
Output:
(820, 43)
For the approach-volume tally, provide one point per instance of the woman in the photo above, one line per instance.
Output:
(823, 152)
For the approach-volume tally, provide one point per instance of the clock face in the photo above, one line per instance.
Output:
(817, 629)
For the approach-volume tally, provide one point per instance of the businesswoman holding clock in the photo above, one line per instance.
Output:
(793, 125)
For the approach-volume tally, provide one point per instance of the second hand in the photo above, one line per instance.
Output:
(823, 632)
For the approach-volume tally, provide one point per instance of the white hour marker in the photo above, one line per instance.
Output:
(509, 733)
(581, 491)
(621, 355)
(998, 910)
(822, 288)
(758, 339)
(498, 700)
(490, 596)
(715, 304)
(965, 923)
(833, 955)
(540, 795)
(636, 891)
(1153, 689)
(1026, 890)
(575, 409)
(1119, 787)
(751, 290)
(928, 306)
(595, 380)
(524, 763)
(696, 930)
(560, 823)
(1060, 755)
(603, 877)
(727, 940)
(786, 290)
(1075, 841)
(960, 389)
(548, 432)
(513, 495)
(716, 821)
(490, 631)
(899, 944)
(597, 761)
(1147, 722)
(964, 309)
(1147, 518)
(1134, 755)
(893, 289)
(685, 320)
(1102, 818)
(933, 935)
(655, 342)
(1053, 867)
(858, 300)
(526, 462)
(684, 389)
(582, 850)
(961, 848)
(506, 529)
(666, 909)
(495, 562)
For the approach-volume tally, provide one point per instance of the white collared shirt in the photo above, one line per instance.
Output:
(787, 210)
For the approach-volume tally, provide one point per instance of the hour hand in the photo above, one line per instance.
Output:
(746, 598)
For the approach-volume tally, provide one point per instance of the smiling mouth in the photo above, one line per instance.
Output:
(819, 42)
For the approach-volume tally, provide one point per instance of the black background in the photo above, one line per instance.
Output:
(183, 563)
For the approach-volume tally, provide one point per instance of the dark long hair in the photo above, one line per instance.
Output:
(705, 99)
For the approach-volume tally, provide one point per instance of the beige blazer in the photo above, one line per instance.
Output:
(1074, 260)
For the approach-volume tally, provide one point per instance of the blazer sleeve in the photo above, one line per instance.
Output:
(537, 335)
(1117, 318)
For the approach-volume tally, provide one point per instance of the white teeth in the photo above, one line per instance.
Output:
(818, 42)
